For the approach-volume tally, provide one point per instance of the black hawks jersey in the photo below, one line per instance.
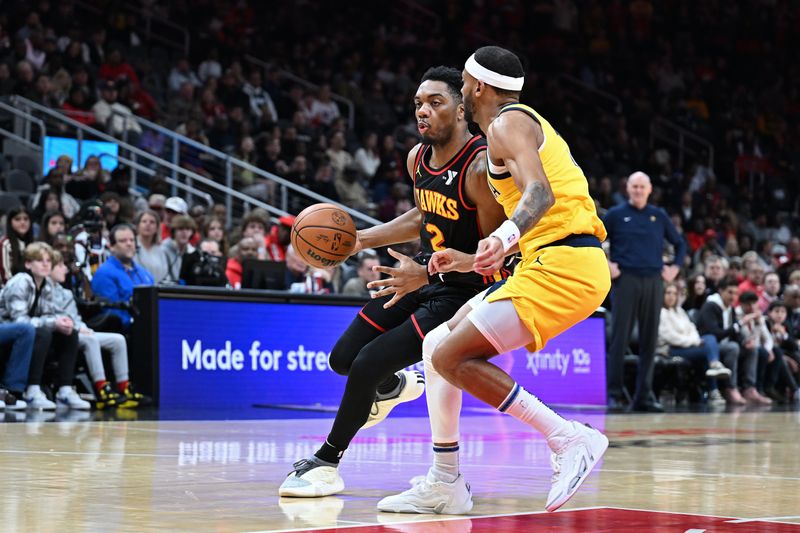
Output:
(449, 219)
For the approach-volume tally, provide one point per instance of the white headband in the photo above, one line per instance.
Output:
(491, 77)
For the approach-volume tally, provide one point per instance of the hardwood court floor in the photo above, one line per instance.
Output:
(223, 475)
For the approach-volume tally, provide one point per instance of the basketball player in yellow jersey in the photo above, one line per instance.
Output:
(562, 278)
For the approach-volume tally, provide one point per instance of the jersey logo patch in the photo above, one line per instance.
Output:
(495, 192)
(451, 175)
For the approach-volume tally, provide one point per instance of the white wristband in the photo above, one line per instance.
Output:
(508, 233)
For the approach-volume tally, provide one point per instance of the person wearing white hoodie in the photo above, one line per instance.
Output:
(678, 336)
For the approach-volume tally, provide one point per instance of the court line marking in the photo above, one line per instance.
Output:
(112, 454)
(147, 430)
(776, 519)
(423, 521)
(731, 519)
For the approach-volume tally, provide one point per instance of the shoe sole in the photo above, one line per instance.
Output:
(597, 456)
(79, 408)
(310, 491)
(40, 408)
(413, 509)
(388, 405)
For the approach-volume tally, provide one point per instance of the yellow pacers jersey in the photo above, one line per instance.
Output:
(574, 210)
(554, 287)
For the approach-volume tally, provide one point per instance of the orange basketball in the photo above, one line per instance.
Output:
(323, 235)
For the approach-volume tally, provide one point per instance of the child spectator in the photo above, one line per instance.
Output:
(19, 234)
(28, 298)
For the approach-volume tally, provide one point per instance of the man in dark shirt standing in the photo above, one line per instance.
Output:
(636, 232)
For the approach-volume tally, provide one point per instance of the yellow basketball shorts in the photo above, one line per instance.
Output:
(554, 289)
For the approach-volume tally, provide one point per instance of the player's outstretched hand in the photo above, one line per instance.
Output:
(490, 257)
(407, 277)
(450, 260)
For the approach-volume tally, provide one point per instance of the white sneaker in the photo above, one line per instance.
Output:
(431, 496)
(40, 401)
(715, 398)
(69, 398)
(577, 454)
(717, 370)
(411, 388)
(311, 480)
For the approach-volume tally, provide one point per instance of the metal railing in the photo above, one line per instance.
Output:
(413, 12)
(346, 102)
(188, 180)
(686, 142)
(175, 184)
(232, 170)
(22, 126)
(236, 201)
(149, 26)
(589, 95)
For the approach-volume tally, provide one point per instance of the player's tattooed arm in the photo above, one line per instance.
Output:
(511, 139)
(536, 199)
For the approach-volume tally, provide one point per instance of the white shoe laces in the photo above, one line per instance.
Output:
(555, 461)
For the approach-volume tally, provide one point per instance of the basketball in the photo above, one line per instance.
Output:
(323, 235)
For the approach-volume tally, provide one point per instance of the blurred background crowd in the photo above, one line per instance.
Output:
(320, 94)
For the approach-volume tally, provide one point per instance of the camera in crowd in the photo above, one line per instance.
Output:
(205, 269)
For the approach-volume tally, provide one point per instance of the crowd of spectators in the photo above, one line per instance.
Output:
(722, 71)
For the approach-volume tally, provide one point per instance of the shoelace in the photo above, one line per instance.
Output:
(555, 462)
(302, 466)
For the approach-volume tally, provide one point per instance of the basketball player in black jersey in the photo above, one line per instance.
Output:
(455, 209)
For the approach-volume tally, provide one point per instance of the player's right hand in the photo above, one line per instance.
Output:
(490, 257)
(450, 260)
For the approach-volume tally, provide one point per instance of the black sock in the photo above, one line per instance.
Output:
(329, 454)
(390, 385)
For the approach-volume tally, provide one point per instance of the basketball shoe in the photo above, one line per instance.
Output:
(106, 397)
(412, 385)
(429, 495)
(575, 452)
(131, 398)
(312, 479)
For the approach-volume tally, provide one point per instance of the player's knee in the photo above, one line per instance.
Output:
(443, 361)
(432, 341)
(342, 357)
(367, 367)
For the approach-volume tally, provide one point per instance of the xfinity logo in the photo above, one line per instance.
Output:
(560, 362)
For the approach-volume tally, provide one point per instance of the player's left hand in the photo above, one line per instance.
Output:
(407, 277)
(490, 256)
(669, 272)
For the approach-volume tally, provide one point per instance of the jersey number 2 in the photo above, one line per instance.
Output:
(437, 237)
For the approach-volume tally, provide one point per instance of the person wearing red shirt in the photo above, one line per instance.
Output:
(246, 249)
(279, 238)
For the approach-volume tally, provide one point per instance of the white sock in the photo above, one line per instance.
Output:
(529, 410)
(444, 408)
(445, 463)
(32, 390)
